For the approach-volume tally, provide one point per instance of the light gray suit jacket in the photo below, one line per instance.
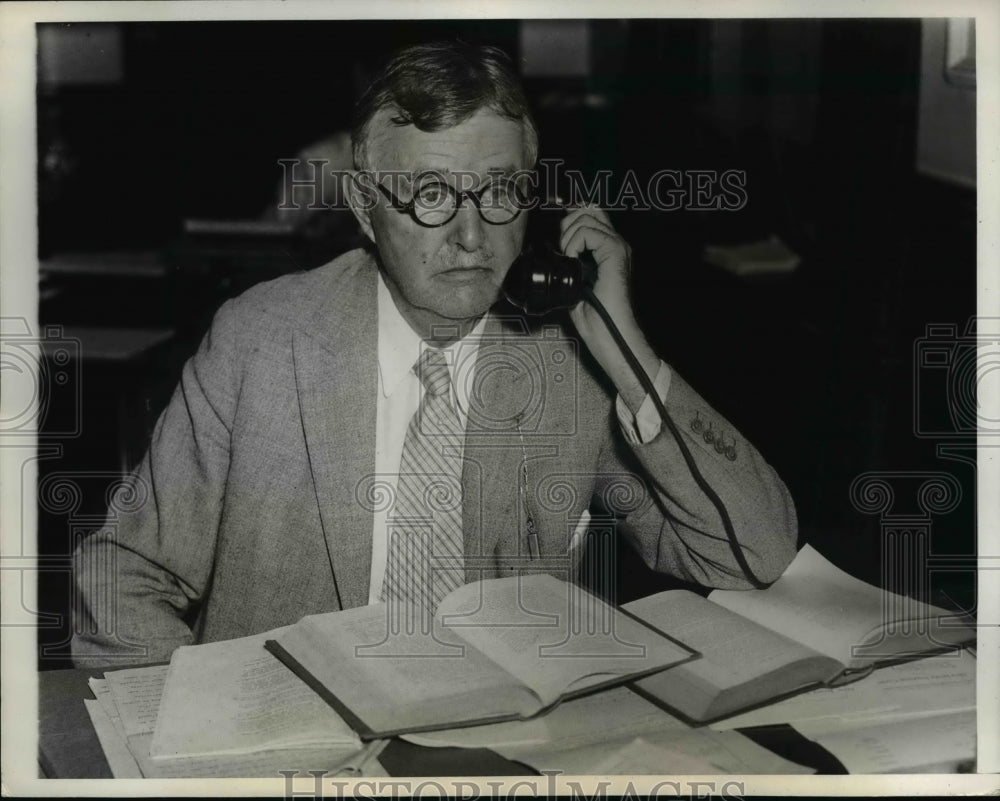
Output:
(253, 505)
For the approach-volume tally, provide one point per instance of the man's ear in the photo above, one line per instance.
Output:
(362, 197)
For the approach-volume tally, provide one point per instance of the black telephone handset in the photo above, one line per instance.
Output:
(540, 281)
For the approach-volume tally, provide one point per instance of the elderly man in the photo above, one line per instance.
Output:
(340, 430)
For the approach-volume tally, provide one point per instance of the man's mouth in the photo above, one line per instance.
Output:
(459, 272)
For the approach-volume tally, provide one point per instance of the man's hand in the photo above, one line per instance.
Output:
(589, 228)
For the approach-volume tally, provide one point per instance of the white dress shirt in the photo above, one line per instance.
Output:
(399, 395)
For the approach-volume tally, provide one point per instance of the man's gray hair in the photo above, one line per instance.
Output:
(438, 86)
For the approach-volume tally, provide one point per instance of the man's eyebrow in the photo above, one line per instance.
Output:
(505, 171)
(445, 172)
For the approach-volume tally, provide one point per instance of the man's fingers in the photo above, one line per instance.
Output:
(588, 237)
(588, 223)
(574, 214)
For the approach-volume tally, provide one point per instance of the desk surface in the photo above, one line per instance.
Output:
(113, 264)
(114, 345)
(69, 748)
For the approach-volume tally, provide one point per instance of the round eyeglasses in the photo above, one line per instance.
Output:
(436, 203)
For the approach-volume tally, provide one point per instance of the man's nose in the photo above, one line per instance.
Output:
(469, 227)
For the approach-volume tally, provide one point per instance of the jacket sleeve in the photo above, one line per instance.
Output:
(676, 528)
(145, 571)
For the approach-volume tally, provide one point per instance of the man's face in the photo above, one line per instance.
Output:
(452, 273)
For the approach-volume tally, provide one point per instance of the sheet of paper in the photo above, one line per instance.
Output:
(814, 728)
(137, 694)
(120, 759)
(102, 692)
(585, 731)
(944, 683)
(607, 715)
(737, 754)
(374, 768)
(235, 697)
(675, 752)
(642, 757)
(910, 745)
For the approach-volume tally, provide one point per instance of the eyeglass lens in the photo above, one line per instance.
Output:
(435, 203)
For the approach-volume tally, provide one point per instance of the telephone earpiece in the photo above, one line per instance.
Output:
(541, 280)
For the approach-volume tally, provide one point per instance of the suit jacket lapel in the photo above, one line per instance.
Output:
(336, 362)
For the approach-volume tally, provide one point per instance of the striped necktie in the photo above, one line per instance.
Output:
(425, 555)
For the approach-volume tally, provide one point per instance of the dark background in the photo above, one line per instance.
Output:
(816, 367)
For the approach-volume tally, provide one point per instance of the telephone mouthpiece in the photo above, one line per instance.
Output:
(542, 281)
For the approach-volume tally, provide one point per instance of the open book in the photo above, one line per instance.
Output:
(500, 649)
(814, 626)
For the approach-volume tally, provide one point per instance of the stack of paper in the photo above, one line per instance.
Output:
(233, 697)
(224, 710)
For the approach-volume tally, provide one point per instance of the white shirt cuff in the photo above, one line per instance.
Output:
(642, 427)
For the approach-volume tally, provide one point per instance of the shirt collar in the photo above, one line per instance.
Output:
(399, 347)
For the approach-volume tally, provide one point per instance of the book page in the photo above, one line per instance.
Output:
(819, 605)
(395, 682)
(554, 636)
(737, 656)
(235, 697)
